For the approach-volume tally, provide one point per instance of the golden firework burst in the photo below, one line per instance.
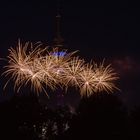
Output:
(35, 65)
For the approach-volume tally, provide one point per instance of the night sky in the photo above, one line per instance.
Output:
(98, 30)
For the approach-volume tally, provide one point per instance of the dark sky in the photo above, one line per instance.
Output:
(98, 30)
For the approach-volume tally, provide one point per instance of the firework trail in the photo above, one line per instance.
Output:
(73, 68)
(21, 66)
(105, 78)
(32, 64)
(96, 78)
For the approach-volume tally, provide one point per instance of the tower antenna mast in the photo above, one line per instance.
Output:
(58, 40)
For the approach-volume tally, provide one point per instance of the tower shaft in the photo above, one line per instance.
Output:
(58, 40)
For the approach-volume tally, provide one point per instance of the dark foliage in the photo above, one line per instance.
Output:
(100, 116)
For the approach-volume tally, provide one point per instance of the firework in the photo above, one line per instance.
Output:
(105, 78)
(60, 60)
(21, 66)
(71, 74)
(96, 78)
(30, 64)
(87, 80)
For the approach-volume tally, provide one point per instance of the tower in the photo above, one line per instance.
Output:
(58, 40)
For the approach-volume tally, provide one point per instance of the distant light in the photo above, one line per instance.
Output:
(61, 54)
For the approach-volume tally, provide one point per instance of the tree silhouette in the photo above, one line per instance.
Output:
(100, 116)
(97, 117)
(135, 123)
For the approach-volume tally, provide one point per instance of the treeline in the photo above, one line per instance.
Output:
(101, 116)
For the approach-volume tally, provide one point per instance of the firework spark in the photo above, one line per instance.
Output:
(96, 78)
(42, 68)
(105, 78)
(21, 66)
(73, 68)
(87, 80)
